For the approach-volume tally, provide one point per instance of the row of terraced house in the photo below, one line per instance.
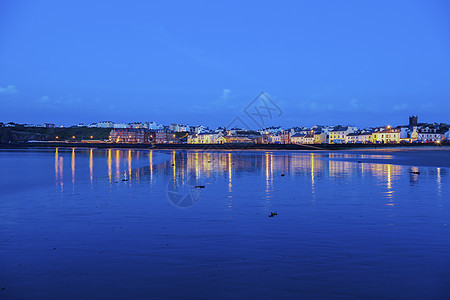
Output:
(420, 133)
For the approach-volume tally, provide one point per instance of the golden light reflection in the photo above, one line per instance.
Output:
(230, 185)
(439, 180)
(390, 192)
(182, 169)
(267, 171)
(174, 167)
(197, 169)
(268, 165)
(150, 156)
(340, 168)
(313, 167)
(109, 165)
(60, 172)
(389, 182)
(56, 164)
(271, 169)
(117, 159)
(61, 164)
(73, 165)
(129, 163)
(91, 165)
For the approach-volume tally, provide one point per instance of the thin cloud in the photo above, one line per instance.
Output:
(226, 93)
(44, 99)
(8, 90)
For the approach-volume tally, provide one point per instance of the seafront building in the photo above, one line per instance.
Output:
(303, 138)
(390, 135)
(338, 134)
(358, 138)
(136, 136)
(431, 135)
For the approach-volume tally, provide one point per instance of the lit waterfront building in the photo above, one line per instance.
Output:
(320, 137)
(302, 138)
(389, 135)
(164, 136)
(275, 138)
(240, 139)
(137, 136)
(358, 137)
(430, 135)
(205, 138)
(337, 135)
(285, 137)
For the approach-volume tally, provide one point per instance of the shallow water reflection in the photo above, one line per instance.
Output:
(127, 223)
(138, 165)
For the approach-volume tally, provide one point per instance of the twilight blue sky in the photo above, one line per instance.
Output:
(363, 63)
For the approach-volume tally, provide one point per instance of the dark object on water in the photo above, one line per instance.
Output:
(359, 161)
(272, 214)
(199, 186)
(125, 179)
(415, 172)
(282, 174)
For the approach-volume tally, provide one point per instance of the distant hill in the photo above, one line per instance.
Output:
(21, 133)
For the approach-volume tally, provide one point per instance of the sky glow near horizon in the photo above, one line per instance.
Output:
(364, 63)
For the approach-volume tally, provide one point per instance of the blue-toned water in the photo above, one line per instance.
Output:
(115, 224)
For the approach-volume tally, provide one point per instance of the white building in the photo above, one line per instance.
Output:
(429, 135)
(153, 125)
(447, 135)
(357, 138)
(275, 138)
(120, 125)
(201, 129)
(136, 125)
(204, 138)
(179, 128)
(105, 124)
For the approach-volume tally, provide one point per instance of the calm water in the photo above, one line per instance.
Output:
(83, 223)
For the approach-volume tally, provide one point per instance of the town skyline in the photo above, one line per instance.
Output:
(153, 133)
(159, 125)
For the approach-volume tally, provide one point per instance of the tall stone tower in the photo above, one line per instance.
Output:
(413, 121)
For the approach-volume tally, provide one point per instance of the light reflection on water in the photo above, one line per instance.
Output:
(128, 165)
